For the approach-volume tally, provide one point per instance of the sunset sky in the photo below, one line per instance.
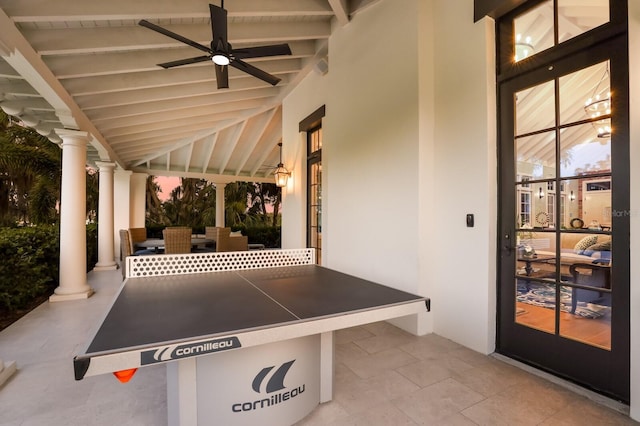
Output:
(166, 186)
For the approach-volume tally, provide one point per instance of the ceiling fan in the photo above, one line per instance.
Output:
(221, 53)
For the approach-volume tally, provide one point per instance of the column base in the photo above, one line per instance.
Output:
(110, 266)
(75, 296)
(6, 370)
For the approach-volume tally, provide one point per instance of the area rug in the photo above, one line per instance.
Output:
(539, 294)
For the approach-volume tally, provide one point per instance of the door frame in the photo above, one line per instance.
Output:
(589, 366)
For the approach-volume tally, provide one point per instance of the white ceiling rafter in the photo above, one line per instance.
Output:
(89, 65)
(258, 133)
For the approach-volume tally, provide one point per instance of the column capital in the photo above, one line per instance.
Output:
(105, 165)
(69, 135)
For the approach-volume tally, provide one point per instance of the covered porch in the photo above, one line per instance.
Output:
(383, 376)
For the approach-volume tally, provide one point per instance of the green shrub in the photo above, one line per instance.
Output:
(261, 234)
(257, 234)
(31, 262)
(92, 245)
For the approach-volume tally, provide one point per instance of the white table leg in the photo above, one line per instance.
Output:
(182, 398)
(327, 355)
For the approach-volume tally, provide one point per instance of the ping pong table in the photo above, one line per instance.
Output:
(250, 343)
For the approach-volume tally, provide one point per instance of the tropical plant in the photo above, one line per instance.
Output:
(30, 170)
(261, 195)
(193, 203)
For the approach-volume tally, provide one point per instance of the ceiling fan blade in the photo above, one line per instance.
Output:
(222, 76)
(262, 51)
(187, 61)
(256, 72)
(173, 35)
(218, 27)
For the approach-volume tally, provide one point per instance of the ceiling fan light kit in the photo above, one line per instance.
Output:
(221, 53)
(220, 59)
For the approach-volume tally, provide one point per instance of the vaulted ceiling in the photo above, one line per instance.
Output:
(88, 65)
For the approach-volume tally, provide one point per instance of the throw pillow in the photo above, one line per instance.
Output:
(585, 243)
(236, 234)
(603, 246)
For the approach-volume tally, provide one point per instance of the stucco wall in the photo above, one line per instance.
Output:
(465, 153)
(409, 149)
(308, 96)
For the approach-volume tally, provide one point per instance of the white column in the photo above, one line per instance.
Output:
(106, 261)
(121, 204)
(73, 229)
(138, 200)
(220, 204)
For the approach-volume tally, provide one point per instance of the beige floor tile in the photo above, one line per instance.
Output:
(330, 413)
(425, 373)
(383, 376)
(349, 352)
(429, 347)
(583, 412)
(351, 334)
(382, 415)
(377, 363)
(435, 403)
(491, 377)
(529, 402)
(379, 343)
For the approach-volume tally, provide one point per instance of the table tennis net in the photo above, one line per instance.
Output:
(193, 263)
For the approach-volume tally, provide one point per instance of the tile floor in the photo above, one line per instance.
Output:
(384, 376)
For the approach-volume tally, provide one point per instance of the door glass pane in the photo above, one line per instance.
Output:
(577, 17)
(582, 152)
(535, 108)
(586, 94)
(535, 156)
(535, 304)
(571, 195)
(533, 31)
(587, 311)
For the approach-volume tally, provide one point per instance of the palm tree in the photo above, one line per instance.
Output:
(192, 203)
(30, 170)
(155, 213)
(93, 195)
(262, 194)
(236, 196)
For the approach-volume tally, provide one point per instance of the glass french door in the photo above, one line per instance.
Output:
(564, 219)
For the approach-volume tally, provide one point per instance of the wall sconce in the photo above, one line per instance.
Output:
(281, 174)
(540, 192)
(572, 196)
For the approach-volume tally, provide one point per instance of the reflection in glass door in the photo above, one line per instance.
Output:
(564, 242)
(563, 263)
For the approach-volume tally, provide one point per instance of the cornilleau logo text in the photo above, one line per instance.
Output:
(171, 352)
(275, 384)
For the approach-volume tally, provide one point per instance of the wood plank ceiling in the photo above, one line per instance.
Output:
(88, 65)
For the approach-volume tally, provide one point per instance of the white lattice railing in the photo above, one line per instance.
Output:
(195, 263)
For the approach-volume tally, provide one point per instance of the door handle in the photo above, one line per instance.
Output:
(508, 246)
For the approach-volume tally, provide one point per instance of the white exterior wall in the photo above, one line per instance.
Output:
(404, 160)
(307, 97)
(370, 153)
(464, 298)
